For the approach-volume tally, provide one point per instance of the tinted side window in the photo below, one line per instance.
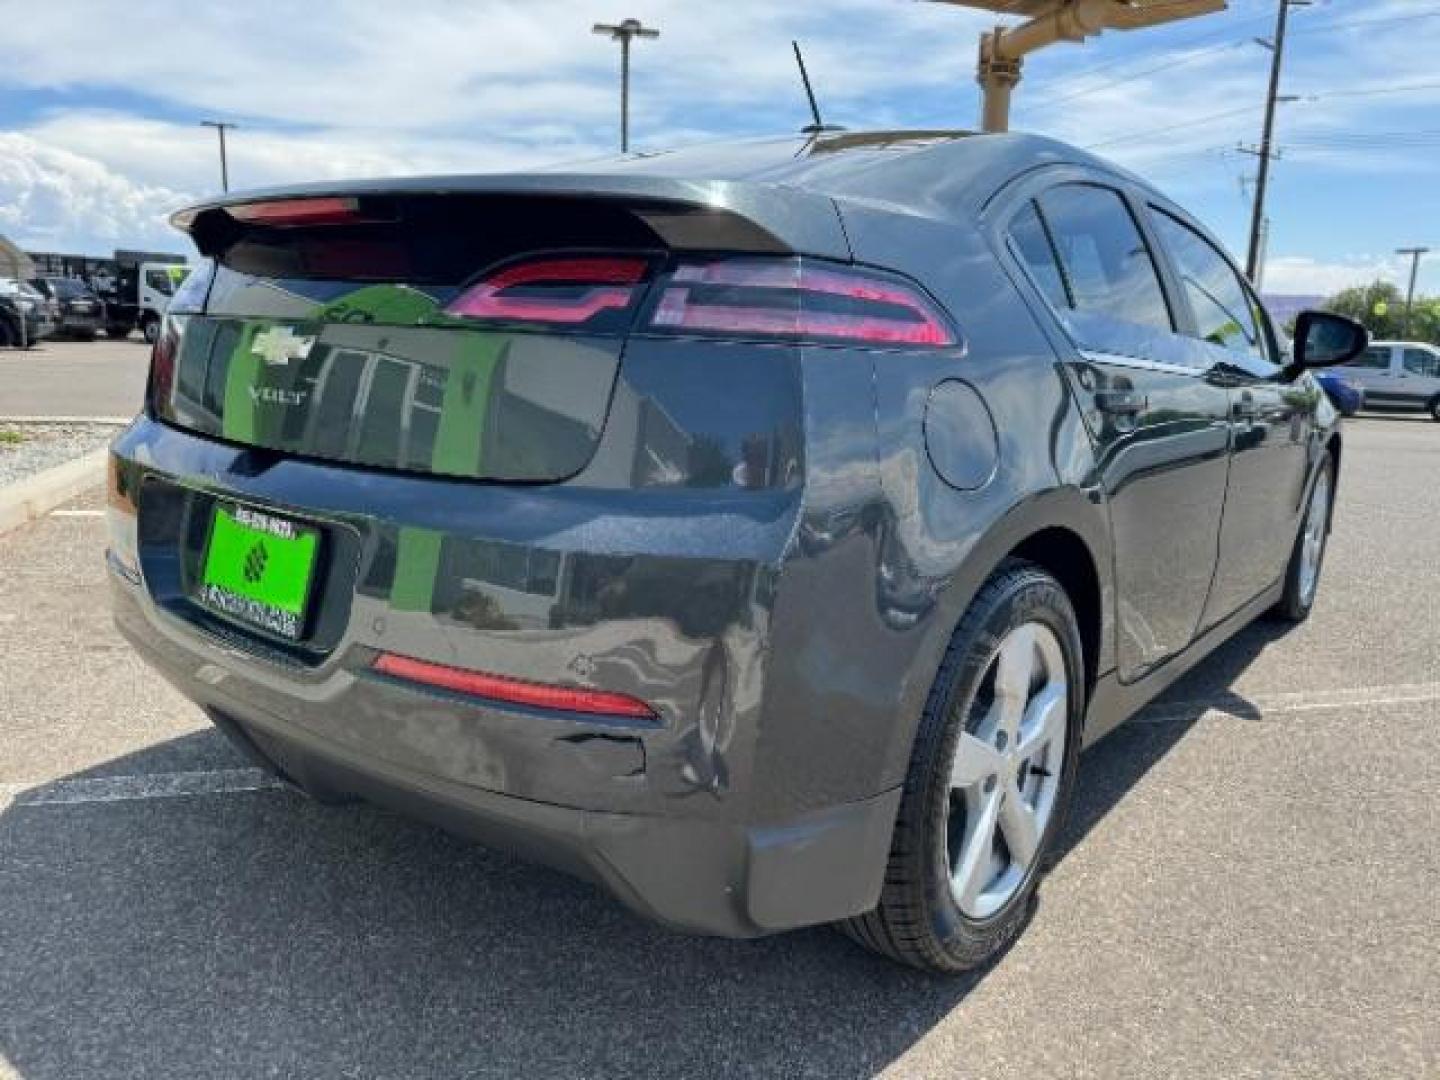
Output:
(1223, 315)
(1032, 246)
(1374, 357)
(1422, 362)
(1103, 256)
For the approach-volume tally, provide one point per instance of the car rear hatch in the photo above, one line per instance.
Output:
(474, 332)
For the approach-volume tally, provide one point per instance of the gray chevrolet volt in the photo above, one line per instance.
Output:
(759, 530)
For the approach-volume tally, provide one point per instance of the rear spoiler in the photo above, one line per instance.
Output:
(687, 215)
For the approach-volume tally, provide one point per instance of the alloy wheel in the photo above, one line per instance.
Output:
(1312, 544)
(1006, 771)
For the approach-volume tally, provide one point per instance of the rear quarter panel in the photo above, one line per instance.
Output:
(889, 554)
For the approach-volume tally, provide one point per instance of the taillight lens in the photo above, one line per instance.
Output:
(162, 359)
(797, 299)
(576, 292)
(506, 690)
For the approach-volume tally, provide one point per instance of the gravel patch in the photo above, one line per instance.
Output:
(26, 449)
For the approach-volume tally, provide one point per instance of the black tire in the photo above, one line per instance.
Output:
(150, 329)
(1294, 606)
(9, 336)
(917, 920)
(117, 333)
(1435, 408)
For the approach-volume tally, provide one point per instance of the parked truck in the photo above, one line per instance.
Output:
(135, 286)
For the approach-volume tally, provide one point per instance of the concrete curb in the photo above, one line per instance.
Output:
(37, 495)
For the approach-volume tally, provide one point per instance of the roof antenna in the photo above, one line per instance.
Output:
(819, 125)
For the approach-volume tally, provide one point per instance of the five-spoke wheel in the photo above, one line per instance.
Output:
(1006, 771)
(991, 772)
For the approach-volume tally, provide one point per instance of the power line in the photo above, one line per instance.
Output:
(1183, 48)
(1196, 122)
(1372, 93)
(1164, 65)
(1186, 54)
(1385, 20)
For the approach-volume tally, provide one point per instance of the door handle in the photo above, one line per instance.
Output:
(1120, 402)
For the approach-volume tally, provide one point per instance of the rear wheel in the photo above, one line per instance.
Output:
(8, 334)
(990, 778)
(1435, 407)
(151, 330)
(1302, 575)
(116, 332)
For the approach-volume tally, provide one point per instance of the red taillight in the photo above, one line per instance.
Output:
(162, 360)
(512, 691)
(798, 300)
(562, 291)
(324, 210)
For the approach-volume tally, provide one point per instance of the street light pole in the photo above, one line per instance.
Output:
(623, 33)
(1262, 181)
(220, 127)
(1416, 254)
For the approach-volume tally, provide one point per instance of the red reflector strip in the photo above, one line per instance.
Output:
(609, 284)
(325, 210)
(513, 691)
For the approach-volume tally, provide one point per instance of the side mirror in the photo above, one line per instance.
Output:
(1323, 339)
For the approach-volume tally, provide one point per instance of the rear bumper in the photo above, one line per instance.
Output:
(75, 322)
(697, 874)
(701, 817)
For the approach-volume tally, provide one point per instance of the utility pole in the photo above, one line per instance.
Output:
(220, 127)
(1272, 98)
(1416, 254)
(623, 33)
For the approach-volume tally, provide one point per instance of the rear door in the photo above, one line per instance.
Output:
(1371, 372)
(1419, 375)
(1270, 419)
(1159, 423)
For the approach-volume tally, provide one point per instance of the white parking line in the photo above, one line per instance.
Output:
(172, 785)
(1243, 707)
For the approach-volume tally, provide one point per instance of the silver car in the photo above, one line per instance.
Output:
(1398, 375)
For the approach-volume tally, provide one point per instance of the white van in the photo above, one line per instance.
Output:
(1398, 375)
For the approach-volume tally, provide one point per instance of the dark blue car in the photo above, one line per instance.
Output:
(758, 530)
(1347, 398)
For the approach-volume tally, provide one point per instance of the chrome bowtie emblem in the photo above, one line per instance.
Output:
(279, 345)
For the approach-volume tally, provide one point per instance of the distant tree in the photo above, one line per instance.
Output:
(1381, 307)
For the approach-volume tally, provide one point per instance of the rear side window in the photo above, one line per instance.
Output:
(1103, 257)
(1422, 362)
(1032, 247)
(1224, 314)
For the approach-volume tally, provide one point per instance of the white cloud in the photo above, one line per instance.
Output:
(1297, 275)
(52, 198)
(368, 87)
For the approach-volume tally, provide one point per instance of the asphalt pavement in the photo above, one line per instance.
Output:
(74, 378)
(1251, 883)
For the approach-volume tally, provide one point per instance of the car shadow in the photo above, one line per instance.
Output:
(259, 933)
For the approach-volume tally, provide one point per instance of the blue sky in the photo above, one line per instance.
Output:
(100, 103)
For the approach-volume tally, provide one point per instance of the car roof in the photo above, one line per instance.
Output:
(902, 166)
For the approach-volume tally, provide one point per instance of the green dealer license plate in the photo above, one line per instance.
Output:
(258, 569)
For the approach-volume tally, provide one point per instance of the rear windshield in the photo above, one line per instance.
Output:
(337, 380)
